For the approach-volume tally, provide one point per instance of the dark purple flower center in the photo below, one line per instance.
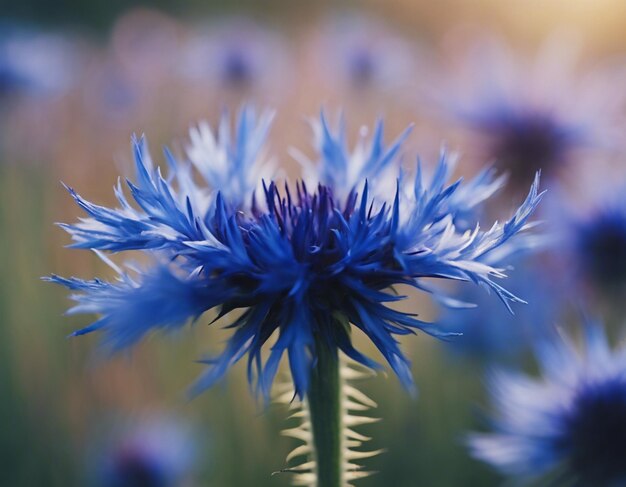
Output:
(237, 70)
(119, 94)
(528, 143)
(603, 250)
(10, 81)
(133, 469)
(595, 434)
(362, 67)
(316, 227)
(322, 255)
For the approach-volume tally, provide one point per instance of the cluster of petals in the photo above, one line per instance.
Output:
(301, 264)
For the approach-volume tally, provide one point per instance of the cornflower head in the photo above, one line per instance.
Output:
(600, 246)
(149, 452)
(144, 43)
(588, 249)
(237, 56)
(530, 114)
(566, 427)
(34, 63)
(113, 97)
(134, 70)
(298, 262)
(360, 54)
(38, 69)
(298, 266)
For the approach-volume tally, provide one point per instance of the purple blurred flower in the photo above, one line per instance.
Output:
(236, 55)
(590, 241)
(149, 452)
(357, 53)
(532, 114)
(36, 63)
(131, 78)
(567, 427)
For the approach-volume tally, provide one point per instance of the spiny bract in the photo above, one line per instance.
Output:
(301, 261)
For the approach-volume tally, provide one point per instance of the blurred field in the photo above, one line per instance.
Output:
(56, 394)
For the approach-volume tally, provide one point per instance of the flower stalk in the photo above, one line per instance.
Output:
(326, 414)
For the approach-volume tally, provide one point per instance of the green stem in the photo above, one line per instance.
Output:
(324, 398)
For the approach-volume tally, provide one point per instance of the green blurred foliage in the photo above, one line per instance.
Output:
(99, 15)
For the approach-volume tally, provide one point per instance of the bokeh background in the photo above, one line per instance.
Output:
(78, 78)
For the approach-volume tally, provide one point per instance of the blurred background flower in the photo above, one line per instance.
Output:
(539, 86)
(600, 245)
(587, 255)
(567, 427)
(38, 70)
(34, 63)
(237, 57)
(528, 113)
(360, 55)
(144, 451)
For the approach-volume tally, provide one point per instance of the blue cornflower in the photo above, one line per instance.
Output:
(111, 97)
(35, 63)
(238, 55)
(298, 262)
(523, 141)
(600, 247)
(588, 242)
(570, 424)
(154, 452)
(530, 114)
(357, 53)
(134, 72)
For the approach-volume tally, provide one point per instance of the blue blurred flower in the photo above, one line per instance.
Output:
(570, 424)
(130, 80)
(532, 114)
(156, 452)
(489, 331)
(144, 43)
(525, 141)
(38, 69)
(109, 94)
(237, 55)
(35, 63)
(298, 263)
(357, 53)
(588, 241)
(600, 246)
